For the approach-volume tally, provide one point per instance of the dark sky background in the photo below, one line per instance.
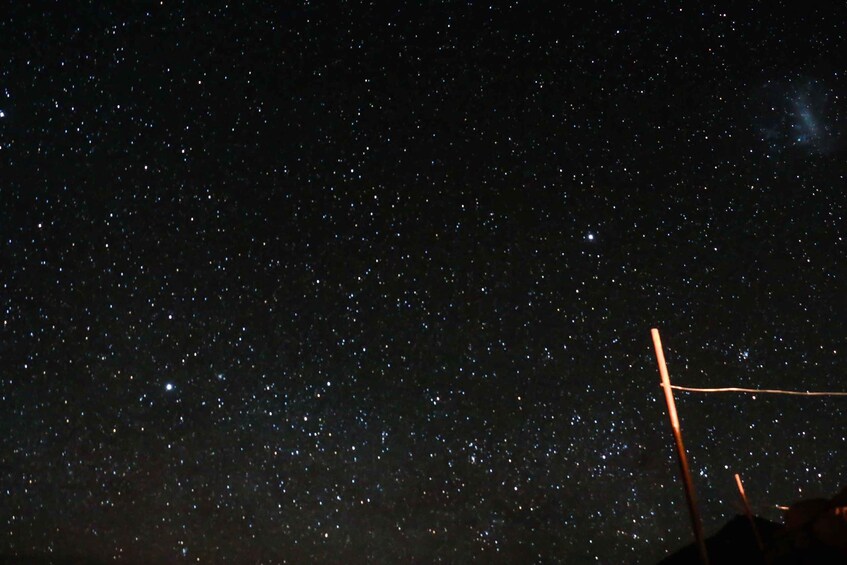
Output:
(327, 282)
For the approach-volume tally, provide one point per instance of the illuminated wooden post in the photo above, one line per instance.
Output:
(696, 523)
(749, 513)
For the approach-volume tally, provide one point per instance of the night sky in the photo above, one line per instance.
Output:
(326, 282)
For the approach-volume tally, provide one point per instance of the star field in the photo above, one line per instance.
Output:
(301, 283)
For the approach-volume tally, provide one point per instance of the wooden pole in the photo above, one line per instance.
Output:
(749, 513)
(696, 523)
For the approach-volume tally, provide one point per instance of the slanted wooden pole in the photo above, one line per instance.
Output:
(696, 523)
(749, 513)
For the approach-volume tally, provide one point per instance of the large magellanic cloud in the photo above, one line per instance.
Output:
(798, 114)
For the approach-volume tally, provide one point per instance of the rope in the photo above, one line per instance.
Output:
(759, 391)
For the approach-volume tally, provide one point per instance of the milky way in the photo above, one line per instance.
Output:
(375, 284)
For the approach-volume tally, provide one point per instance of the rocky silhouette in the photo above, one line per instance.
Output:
(814, 533)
